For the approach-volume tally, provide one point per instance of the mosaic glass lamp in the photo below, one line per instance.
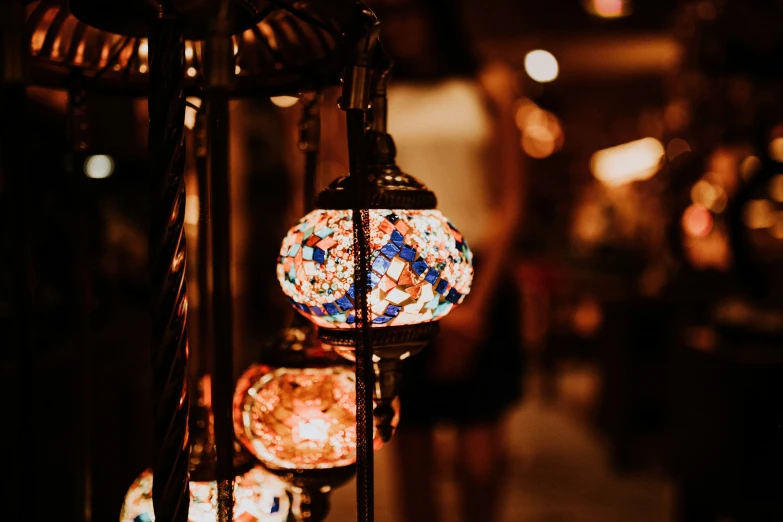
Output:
(297, 416)
(421, 266)
(299, 411)
(259, 497)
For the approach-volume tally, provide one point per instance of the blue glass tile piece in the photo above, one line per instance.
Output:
(419, 266)
(453, 296)
(304, 308)
(442, 285)
(390, 250)
(392, 310)
(317, 310)
(373, 279)
(144, 517)
(344, 303)
(319, 255)
(293, 250)
(432, 305)
(381, 264)
(275, 505)
(393, 217)
(292, 275)
(324, 232)
(397, 238)
(307, 253)
(331, 309)
(351, 319)
(307, 233)
(350, 292)
(382, 319)
(432, 276)
(408, 253)
(339, 318)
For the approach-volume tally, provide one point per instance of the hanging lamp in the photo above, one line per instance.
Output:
(420, 264)
(297, 415)
(297, 412)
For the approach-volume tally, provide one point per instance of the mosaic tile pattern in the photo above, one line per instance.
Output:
(421, 267)
(259, 497)
(293, 418)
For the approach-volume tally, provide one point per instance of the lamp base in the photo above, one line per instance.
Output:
(310, 489)
(388, 342)
(314, 479)
(390, 346)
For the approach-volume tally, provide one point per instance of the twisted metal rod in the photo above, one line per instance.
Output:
(169, 345)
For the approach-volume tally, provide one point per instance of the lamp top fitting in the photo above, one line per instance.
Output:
(389, 186)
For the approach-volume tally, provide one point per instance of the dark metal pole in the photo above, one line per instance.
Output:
(365, 373)
(16, 198)
(355, 101)
(78, 201)
(169, 345)
(219, 72)
(204, 245)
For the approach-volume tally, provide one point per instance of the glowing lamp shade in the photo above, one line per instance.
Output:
(421, 267)
(298, 418)
(258, 496)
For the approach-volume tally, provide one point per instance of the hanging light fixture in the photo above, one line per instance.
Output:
(296, 413)
(297, 416)
(302, 414)
(300, 418)
(421, 265)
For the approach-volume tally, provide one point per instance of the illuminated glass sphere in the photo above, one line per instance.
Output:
(421, 267)
(258, 497)
(298, 418)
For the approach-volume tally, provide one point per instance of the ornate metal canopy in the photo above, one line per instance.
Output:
(280, 46)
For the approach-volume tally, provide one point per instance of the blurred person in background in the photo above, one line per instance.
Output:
(452, 121)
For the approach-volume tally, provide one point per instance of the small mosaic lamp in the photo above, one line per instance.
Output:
(298, 418)
(421, 266)
(258, 497)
